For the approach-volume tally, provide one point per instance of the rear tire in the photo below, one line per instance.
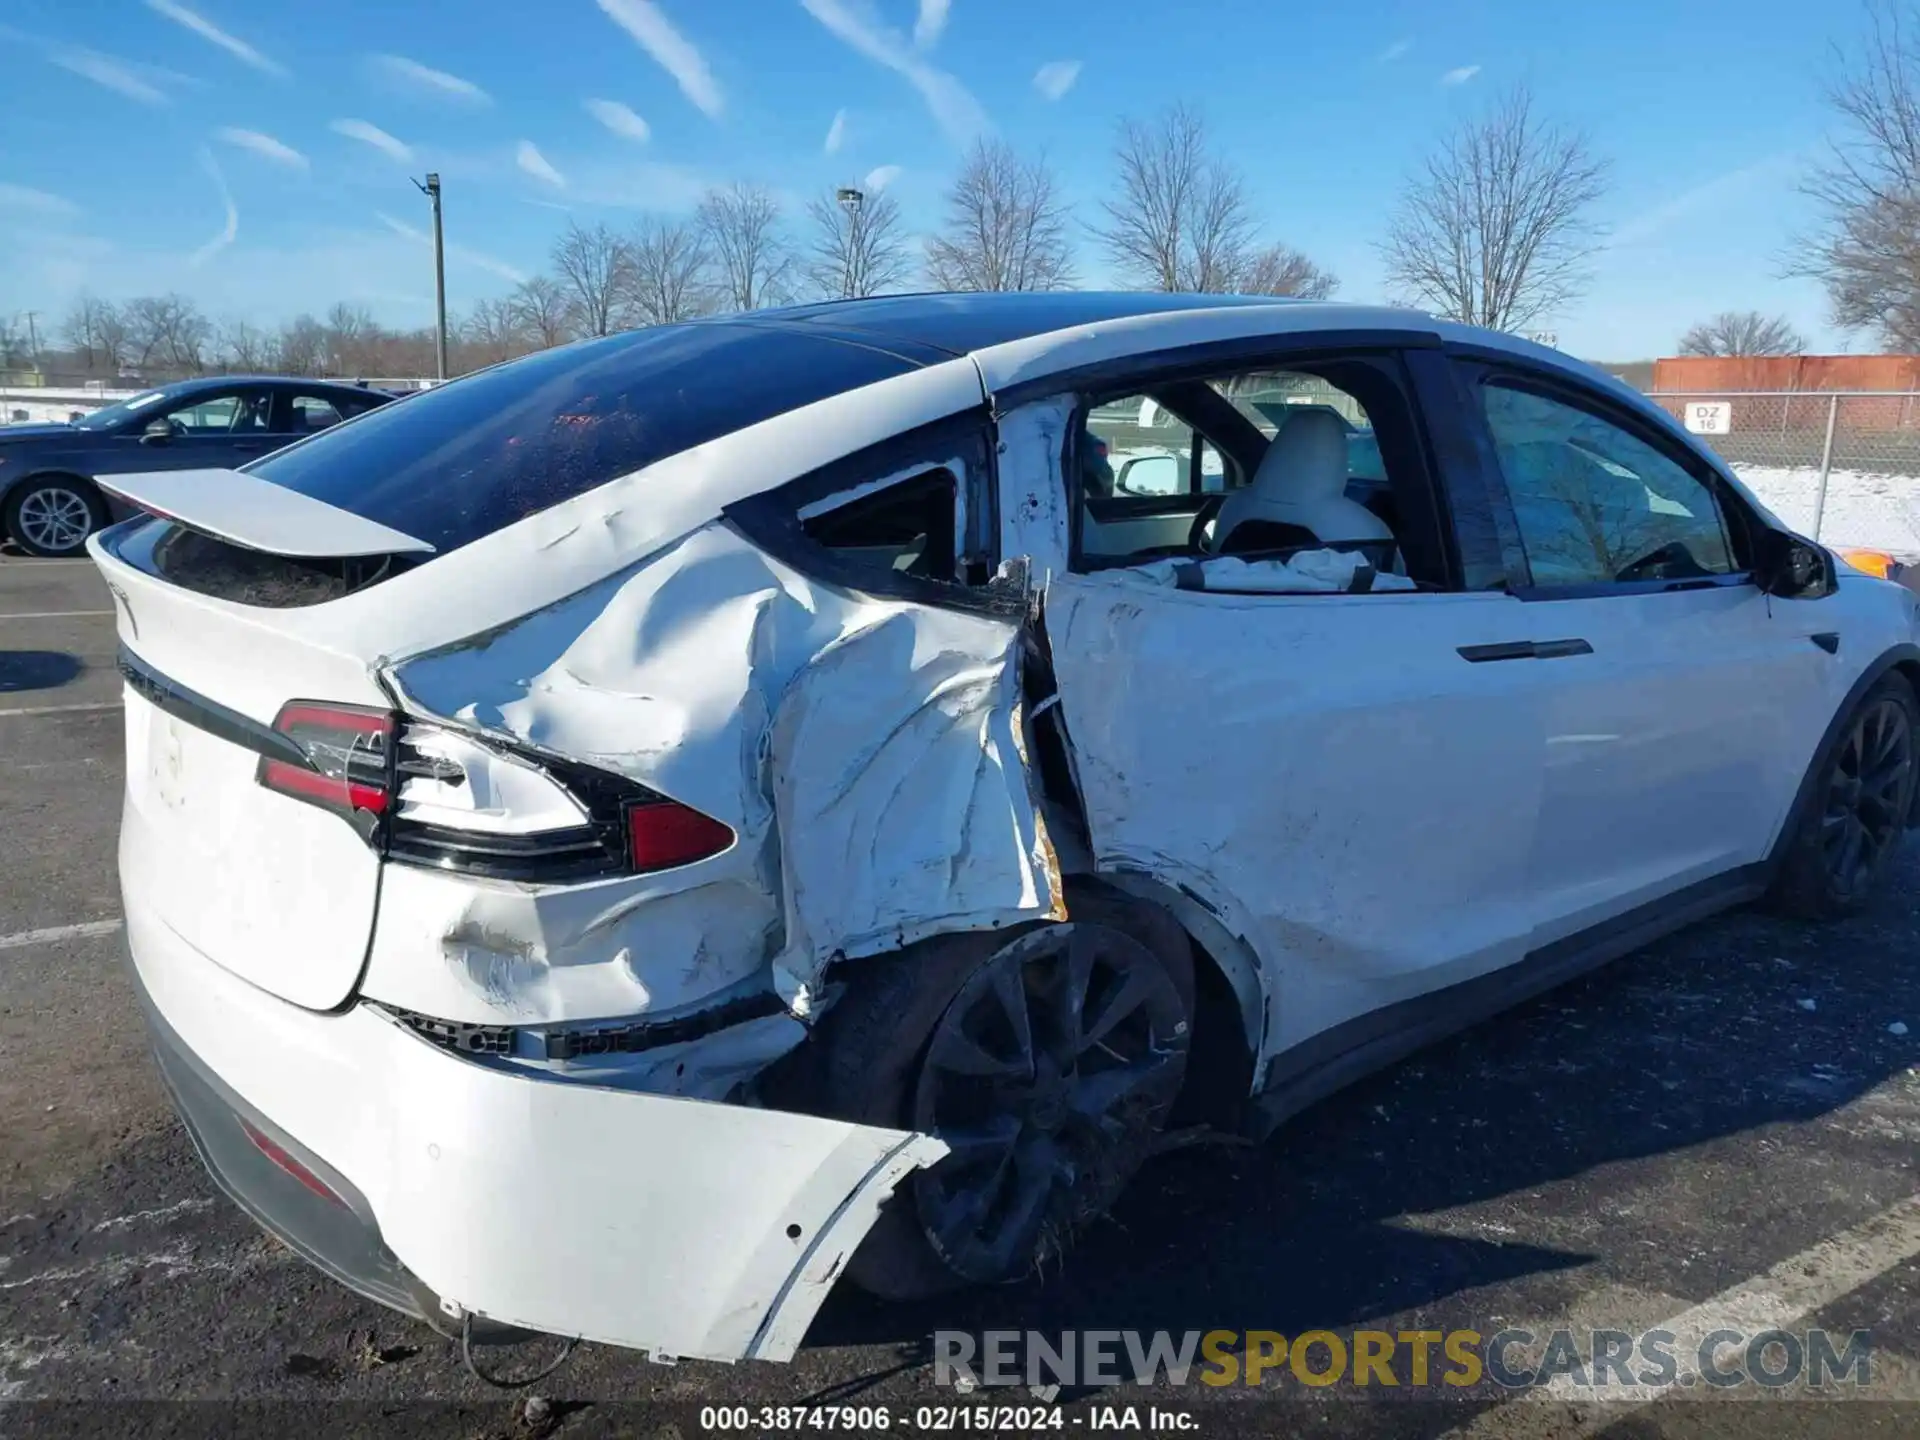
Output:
(52, 515)
(1044, 1138)
(1857, 813)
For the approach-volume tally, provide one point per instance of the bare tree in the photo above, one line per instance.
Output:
(94, 329)
(1867, 255)
(302, 346)
(1006, 226)
(751, 257)
(667, 272)
(1282, 270)
(495, 331)
(245, 347)
(594, 267)
(546, 311)
(1179, 218)
(168, 330)
(1742, 332)
(1494, 229)
(353, 338)
(856, 249)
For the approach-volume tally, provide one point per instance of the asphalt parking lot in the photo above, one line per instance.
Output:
(1724, 1125)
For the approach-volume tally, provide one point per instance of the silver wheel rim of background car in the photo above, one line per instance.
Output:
(1868, 792)
(53, 517)
(1047, 1078)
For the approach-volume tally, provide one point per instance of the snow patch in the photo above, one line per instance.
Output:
(1863, 508)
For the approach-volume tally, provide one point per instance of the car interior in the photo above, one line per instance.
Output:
(1262, 466)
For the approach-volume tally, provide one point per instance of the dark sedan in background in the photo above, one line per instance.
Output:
(48, 501)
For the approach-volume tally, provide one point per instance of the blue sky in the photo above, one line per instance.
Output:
(256, 157)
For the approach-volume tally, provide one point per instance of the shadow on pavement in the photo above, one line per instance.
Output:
(22, 670)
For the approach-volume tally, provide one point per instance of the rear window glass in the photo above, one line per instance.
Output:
(468, 458)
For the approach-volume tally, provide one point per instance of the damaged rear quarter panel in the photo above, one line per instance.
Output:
(866, 752)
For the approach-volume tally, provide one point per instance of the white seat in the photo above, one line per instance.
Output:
(1303, 482)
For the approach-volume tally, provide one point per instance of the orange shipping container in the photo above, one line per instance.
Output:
(1734, 373)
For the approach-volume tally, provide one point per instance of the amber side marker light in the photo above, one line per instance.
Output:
(1872, 562)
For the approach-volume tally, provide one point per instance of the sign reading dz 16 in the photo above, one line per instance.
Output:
(1710, 417)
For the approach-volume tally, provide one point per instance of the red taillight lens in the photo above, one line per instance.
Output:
(278, 1155)
(664, 834)
(346, 749)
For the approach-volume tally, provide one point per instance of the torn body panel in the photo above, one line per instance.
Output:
(867, 754)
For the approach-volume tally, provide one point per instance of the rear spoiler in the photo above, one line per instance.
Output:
(257, 514)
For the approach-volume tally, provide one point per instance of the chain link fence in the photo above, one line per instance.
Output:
(1841, 466)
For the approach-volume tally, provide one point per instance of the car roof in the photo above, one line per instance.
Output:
(221, 382)
(952, 324)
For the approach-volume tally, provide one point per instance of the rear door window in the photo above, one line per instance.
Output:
(469, 458)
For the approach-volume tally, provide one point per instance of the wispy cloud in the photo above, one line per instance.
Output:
(671, 51)
(228, 232)
(24, 200)
(263, 145)
(1397, 50)
(509, 273)
(1460, 76)
(207, 30)
(881, 177)
(1708, 196)
(929, 24)
(426, 79)
(836, 134)
(403, 229)
(619, 119)
(532, 162)
(854, 23)
(109, 73)
(1056, 77)
(368, 133)
(475, 258)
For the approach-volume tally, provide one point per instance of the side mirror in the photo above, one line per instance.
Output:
(158, 432)
(1790, 567)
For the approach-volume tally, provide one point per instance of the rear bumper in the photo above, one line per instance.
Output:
(676, 1226)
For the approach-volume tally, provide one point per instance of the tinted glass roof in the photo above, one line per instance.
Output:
(961, 323)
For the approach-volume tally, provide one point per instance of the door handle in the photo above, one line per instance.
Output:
(1560, 649)
(1506, 650)
(1524, 650)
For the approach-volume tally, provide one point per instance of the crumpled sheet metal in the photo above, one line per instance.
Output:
(867, 752)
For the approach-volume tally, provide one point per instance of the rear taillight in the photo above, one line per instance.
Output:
(277, 1153)
(345, 749)
(662, 834)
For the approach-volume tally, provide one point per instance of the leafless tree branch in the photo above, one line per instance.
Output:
(1867, 251)
(594, 267)
(752, 260)
(667, 272)
(856, 251)
(1006, 226)
(1495, 228)
(1742, 332)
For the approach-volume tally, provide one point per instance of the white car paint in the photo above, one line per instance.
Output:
(1365, 820)
(543, 1204)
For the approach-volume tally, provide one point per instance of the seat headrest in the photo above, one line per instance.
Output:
(1307, 459)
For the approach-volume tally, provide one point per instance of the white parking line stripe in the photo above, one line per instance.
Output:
(57, 615)
(80, 709)
(83, 930)
(1773, 1300)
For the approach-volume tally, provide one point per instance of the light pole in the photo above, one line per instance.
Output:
(431, 189)
(850, 201)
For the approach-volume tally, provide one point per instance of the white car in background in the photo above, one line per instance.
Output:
(616, 843)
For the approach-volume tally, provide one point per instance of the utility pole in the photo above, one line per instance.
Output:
(850, 201)
(431, 189)
(33, 339)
